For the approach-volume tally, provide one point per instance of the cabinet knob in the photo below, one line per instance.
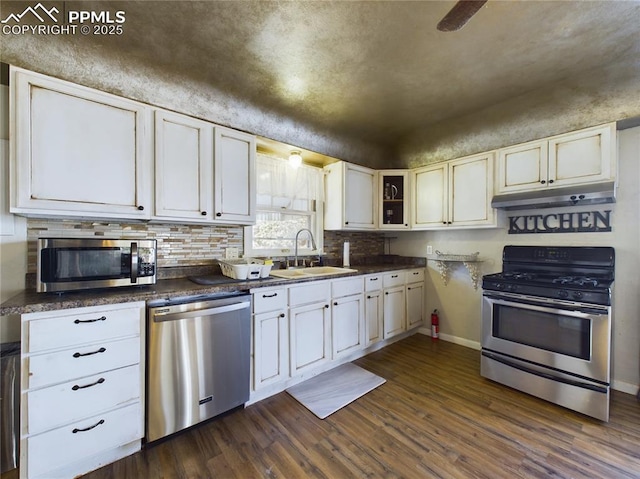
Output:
(368, 297)
(335, 303)
(346, 222)
(386, 292)
(203, 213)
(218, 214)
(550, 181)
(326, 306)
(140, 208)
(282, 315)
(542, 182)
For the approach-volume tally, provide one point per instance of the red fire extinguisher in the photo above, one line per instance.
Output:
(435, 325)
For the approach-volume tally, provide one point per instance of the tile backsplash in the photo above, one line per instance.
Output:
(178, 245)
(189, 245)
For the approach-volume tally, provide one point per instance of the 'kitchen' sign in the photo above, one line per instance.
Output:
(582, 222)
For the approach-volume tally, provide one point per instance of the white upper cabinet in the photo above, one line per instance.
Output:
(234, 177)
(184, 168)
(350, 197)
(585, 156)
(204, 173)
(430, 186)
(76, 151)
(454, 194)
(393, 194)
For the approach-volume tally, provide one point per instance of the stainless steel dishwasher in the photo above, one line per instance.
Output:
(198, 360)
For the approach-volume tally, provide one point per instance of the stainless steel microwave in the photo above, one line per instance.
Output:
(66, 264)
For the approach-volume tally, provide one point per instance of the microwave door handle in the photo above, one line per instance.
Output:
(134, 262)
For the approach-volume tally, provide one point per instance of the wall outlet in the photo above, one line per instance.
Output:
(231, 253)
(429, 249)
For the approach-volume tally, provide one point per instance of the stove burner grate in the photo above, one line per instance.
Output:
(576, 281)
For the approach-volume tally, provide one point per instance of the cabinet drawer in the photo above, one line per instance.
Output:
(395, 278)
(82, 328)
(415, 275)
(74, 442)
(346, 287)
(81, 361)
(309, 293)
(265, 300)
(64, 403)
(373, 282)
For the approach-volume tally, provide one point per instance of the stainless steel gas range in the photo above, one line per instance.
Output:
(546, 325)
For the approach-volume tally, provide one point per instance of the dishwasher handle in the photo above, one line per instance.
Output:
(158, 317)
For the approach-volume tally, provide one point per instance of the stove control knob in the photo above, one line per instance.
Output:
(563, 294)
(577, 294)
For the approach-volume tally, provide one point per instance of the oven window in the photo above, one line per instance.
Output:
(552, 332)
(82, 264)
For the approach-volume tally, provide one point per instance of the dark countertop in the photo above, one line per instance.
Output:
(31, 302)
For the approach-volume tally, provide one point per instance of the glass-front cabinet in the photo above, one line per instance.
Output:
(393, 191)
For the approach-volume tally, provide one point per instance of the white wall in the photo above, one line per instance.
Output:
(13, 232)
(459, 304)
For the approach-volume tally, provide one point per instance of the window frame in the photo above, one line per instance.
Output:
(317, 223)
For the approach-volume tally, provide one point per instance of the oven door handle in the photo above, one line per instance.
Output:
(556, 308)
(572, 382)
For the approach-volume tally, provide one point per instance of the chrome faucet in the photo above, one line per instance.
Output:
(313, 244)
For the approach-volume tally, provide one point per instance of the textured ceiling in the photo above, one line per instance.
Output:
(377, 71)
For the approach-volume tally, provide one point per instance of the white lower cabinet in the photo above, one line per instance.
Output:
(301, 329)
(309, 326)
(373, 309)
(270, 337)
(347, 316)
(82, 395)
(394, 312)
(415, 298)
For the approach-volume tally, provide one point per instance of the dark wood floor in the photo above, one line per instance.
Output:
(434, 417)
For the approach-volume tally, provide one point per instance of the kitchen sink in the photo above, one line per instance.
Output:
(312, 272)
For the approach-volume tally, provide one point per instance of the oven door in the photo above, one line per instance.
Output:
(565, 337)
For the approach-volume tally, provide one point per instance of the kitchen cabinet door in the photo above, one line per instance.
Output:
(350, 197)
(394, 199)
(77, 151)
(234, 177)
(373, 313)
(394, 311)
(523, 167)
(430, 187)
(309, 336)
(270, 348)
(184, 168)
(415, 305)
(471, 190)
(585, 156)
(347, 326)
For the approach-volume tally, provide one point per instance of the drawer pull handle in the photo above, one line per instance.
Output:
(373, 279)
(394, 275)
(78, 355)
(270, 295)
(76, 430)
(99, 381)
(79, 321)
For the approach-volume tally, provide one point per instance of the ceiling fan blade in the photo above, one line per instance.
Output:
(459, 15)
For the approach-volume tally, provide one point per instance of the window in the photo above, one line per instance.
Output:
(288, 199)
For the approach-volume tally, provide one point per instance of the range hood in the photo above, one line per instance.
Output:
(593, 194)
